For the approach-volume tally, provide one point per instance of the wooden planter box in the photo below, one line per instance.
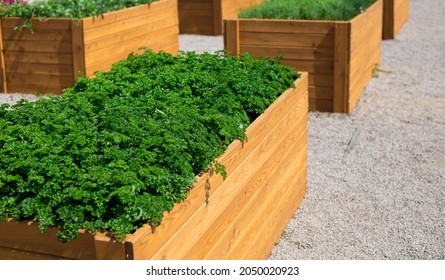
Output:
(244, 215)
(205, 17)
(48, 61)
(340, 56)
(395, 15)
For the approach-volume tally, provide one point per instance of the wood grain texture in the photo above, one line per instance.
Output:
(66, 46)
(395, 15)
(26, 237)
(206, 17)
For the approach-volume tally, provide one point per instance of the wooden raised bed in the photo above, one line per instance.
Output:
(340, 56)
(48, 61)
(205, 17)
(245, 214)
(395, 15)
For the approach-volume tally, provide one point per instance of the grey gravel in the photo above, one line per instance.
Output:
(376, 177)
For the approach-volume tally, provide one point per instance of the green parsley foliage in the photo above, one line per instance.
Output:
(118, 150)
(307, 9)
(66, 8)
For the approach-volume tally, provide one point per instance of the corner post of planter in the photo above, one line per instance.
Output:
(2, 60)
(341, 66)
(217, 17)
(78, 47)
(388, 19)
(231, 36)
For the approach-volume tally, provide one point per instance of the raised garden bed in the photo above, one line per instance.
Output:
(205, 17)
(49, 59)
(340, 56)
(240, 217)
(395, 15)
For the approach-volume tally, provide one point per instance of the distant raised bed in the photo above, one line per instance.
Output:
(48, 59)
(340, 56)
(395, 15)
(205, 17)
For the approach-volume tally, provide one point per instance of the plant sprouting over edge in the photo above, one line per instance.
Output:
(116, 151)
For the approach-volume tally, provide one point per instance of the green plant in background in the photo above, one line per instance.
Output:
(65, 8)
(116, 151)
(307, 9)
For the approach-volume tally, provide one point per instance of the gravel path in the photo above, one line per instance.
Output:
(376, 177)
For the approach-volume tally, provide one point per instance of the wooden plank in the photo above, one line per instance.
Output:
(131, 36)
(229, 229)
(321, 80)
(341, 63)
(108, 249)
(38, 23)
(290, 52)
(40, 69)
(320, 92)
(217, 17)
(98, 61)
(401, 15)
(322, 67)
(196, 17)
(149, 10)
(388, 19)
(279, 216)
(287, 26)
(38, 46)
(146, 244)
(40, 79)
(2, 60)
(39, 58)
(27, 237)
(25, 35)
(230, 8)
(320, 105)
(232, 37)
(166, 16)
(14, 254)
(286, 40)
(244, 180)
(33, 89)
(77, 49)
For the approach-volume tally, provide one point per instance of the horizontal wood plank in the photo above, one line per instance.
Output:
(236, 227)
(287, 26)
(145, 246)
(290, 52)
(27, 237)
(286, 40)
(121, 15)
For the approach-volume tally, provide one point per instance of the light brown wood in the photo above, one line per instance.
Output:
(67, 47)
(145, 245)
(2, 61)
(244, 224)
(268, 167)
(231, 37)
(341, 64)
(78, 49)
(27, 237)
(205, 17)
(339, 55)
(395, 15)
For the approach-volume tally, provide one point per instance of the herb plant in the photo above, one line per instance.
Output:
(116, 151)
(64, 8)
(307, 9)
